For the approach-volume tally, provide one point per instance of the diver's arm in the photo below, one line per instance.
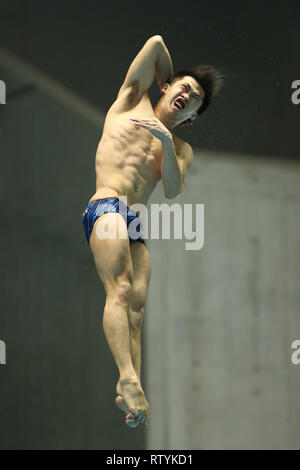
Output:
(152, 61)
(164, 66)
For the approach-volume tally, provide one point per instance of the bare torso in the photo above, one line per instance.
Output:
(128, 159)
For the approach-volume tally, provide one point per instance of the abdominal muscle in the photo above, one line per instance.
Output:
(127, 160)
(115, 187)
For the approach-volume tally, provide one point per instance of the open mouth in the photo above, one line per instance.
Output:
(179, 104)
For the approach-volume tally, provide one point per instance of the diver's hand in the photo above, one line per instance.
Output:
(155, 126)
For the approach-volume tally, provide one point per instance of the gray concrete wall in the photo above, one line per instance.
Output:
(220, 321)
(57, 387)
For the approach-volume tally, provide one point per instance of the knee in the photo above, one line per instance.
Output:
(121, 290)
(138, 296)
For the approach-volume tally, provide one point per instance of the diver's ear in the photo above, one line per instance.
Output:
(164, 88)
(189, 121)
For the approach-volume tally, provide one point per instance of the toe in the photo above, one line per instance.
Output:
(141, 417)
(132, 424)
(131, 421)
(134, 412)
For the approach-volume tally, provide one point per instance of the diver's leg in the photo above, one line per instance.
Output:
(141, 277)
(113, 262)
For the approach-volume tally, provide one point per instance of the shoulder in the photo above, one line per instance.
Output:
(128, 99)
(183, 149)
(179, 142)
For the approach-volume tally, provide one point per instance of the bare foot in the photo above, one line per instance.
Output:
(130, 389)
(130, 420)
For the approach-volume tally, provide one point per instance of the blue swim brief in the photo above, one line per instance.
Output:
(111, 204)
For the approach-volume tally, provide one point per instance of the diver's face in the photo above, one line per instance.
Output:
(184, 97)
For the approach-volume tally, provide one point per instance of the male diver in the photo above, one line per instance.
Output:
(138, 148)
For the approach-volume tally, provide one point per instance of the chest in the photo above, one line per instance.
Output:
(130, 139)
